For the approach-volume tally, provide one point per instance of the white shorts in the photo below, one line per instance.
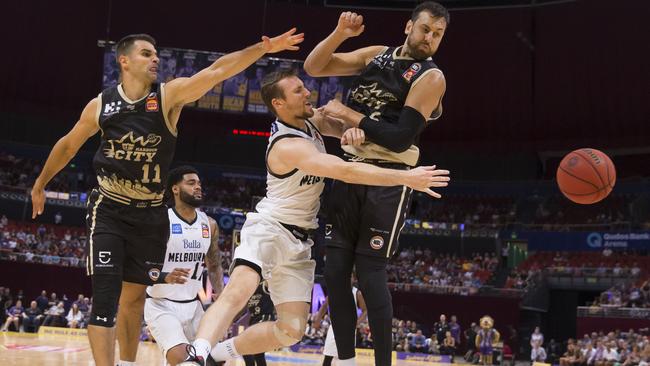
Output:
(284, 260)
(330, 344)
(172, 323)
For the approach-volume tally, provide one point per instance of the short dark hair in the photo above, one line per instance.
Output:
(175, 176)
(270, 88)
(435, 9)
(124, 45)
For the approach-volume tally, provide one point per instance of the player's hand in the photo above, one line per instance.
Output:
(350, 24)
(335, 109)
(423, 178)
(177, 276)
(285, 41)
(38, 201)
(353, 136)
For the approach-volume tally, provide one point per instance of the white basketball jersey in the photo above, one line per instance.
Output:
(188, 243)
(293, 198)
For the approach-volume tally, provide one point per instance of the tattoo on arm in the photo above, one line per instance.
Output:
(213, 259)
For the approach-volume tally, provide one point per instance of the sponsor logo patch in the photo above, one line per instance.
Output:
(408, 74)
(205, 230)
(177, 229)
(152, 103)
(376, 242)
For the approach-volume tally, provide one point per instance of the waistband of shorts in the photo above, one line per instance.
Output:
(176, 301)
(127, 201)
(299, 232)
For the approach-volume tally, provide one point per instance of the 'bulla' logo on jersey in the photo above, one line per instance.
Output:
(132, 148)
(191, 244)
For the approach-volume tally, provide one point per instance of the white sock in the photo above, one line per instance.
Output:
(202, 347)
(224, 351)
(349, 362)
(125, 363)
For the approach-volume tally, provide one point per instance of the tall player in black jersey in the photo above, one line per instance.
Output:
(128, 224)
(397, 93)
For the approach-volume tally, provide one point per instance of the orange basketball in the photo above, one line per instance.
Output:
(586, 176)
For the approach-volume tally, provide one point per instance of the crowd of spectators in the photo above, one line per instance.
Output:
(631, 348)
(43, 310)
(634, 294)
(442, 338)
(418, 266)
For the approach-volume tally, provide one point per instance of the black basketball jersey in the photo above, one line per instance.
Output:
(260, 306)
(381, 89)
(136, 148)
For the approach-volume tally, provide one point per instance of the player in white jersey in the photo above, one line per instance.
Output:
(275, 244)
(173, 311)
(329, 351)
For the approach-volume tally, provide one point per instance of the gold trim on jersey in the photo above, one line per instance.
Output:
(438, 111)
(369, 150)
(122, 94)
(126, 192)
(396, 55)
(98, 113)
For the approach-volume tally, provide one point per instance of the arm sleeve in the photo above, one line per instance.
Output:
(396, 137)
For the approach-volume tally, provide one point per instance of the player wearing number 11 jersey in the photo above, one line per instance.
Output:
(173, 311)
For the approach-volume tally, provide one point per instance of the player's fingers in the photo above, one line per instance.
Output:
(432, 193)
(441, 172)
(290, 31)
(362, 28)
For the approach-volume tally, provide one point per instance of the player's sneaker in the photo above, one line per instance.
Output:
(192, 359)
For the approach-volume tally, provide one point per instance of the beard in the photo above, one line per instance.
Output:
(190, 200)
(416, 52)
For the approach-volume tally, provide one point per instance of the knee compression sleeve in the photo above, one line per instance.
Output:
(289, 328)
(106, 293)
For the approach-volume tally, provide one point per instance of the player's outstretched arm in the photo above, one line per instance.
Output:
(322, 61)
(181, 91)
(298, 153)
(213, 260)
(63, 151)
(424, 98)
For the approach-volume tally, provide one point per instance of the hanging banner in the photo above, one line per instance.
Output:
(239, 94)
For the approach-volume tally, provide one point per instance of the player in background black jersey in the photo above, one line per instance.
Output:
(396, 94)
(261, 309)
(127, 221)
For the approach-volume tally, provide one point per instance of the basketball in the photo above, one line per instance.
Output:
(586, 176)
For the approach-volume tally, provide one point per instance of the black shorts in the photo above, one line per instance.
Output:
(366, 219)
(125, 240)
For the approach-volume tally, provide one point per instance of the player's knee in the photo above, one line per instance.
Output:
(289, 328)
(176, 354)
(106, 292)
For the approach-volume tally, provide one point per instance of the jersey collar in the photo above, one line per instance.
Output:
(182, 219)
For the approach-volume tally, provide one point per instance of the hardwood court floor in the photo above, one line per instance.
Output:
(21, 349)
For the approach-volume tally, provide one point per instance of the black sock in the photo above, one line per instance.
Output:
(327, 361)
